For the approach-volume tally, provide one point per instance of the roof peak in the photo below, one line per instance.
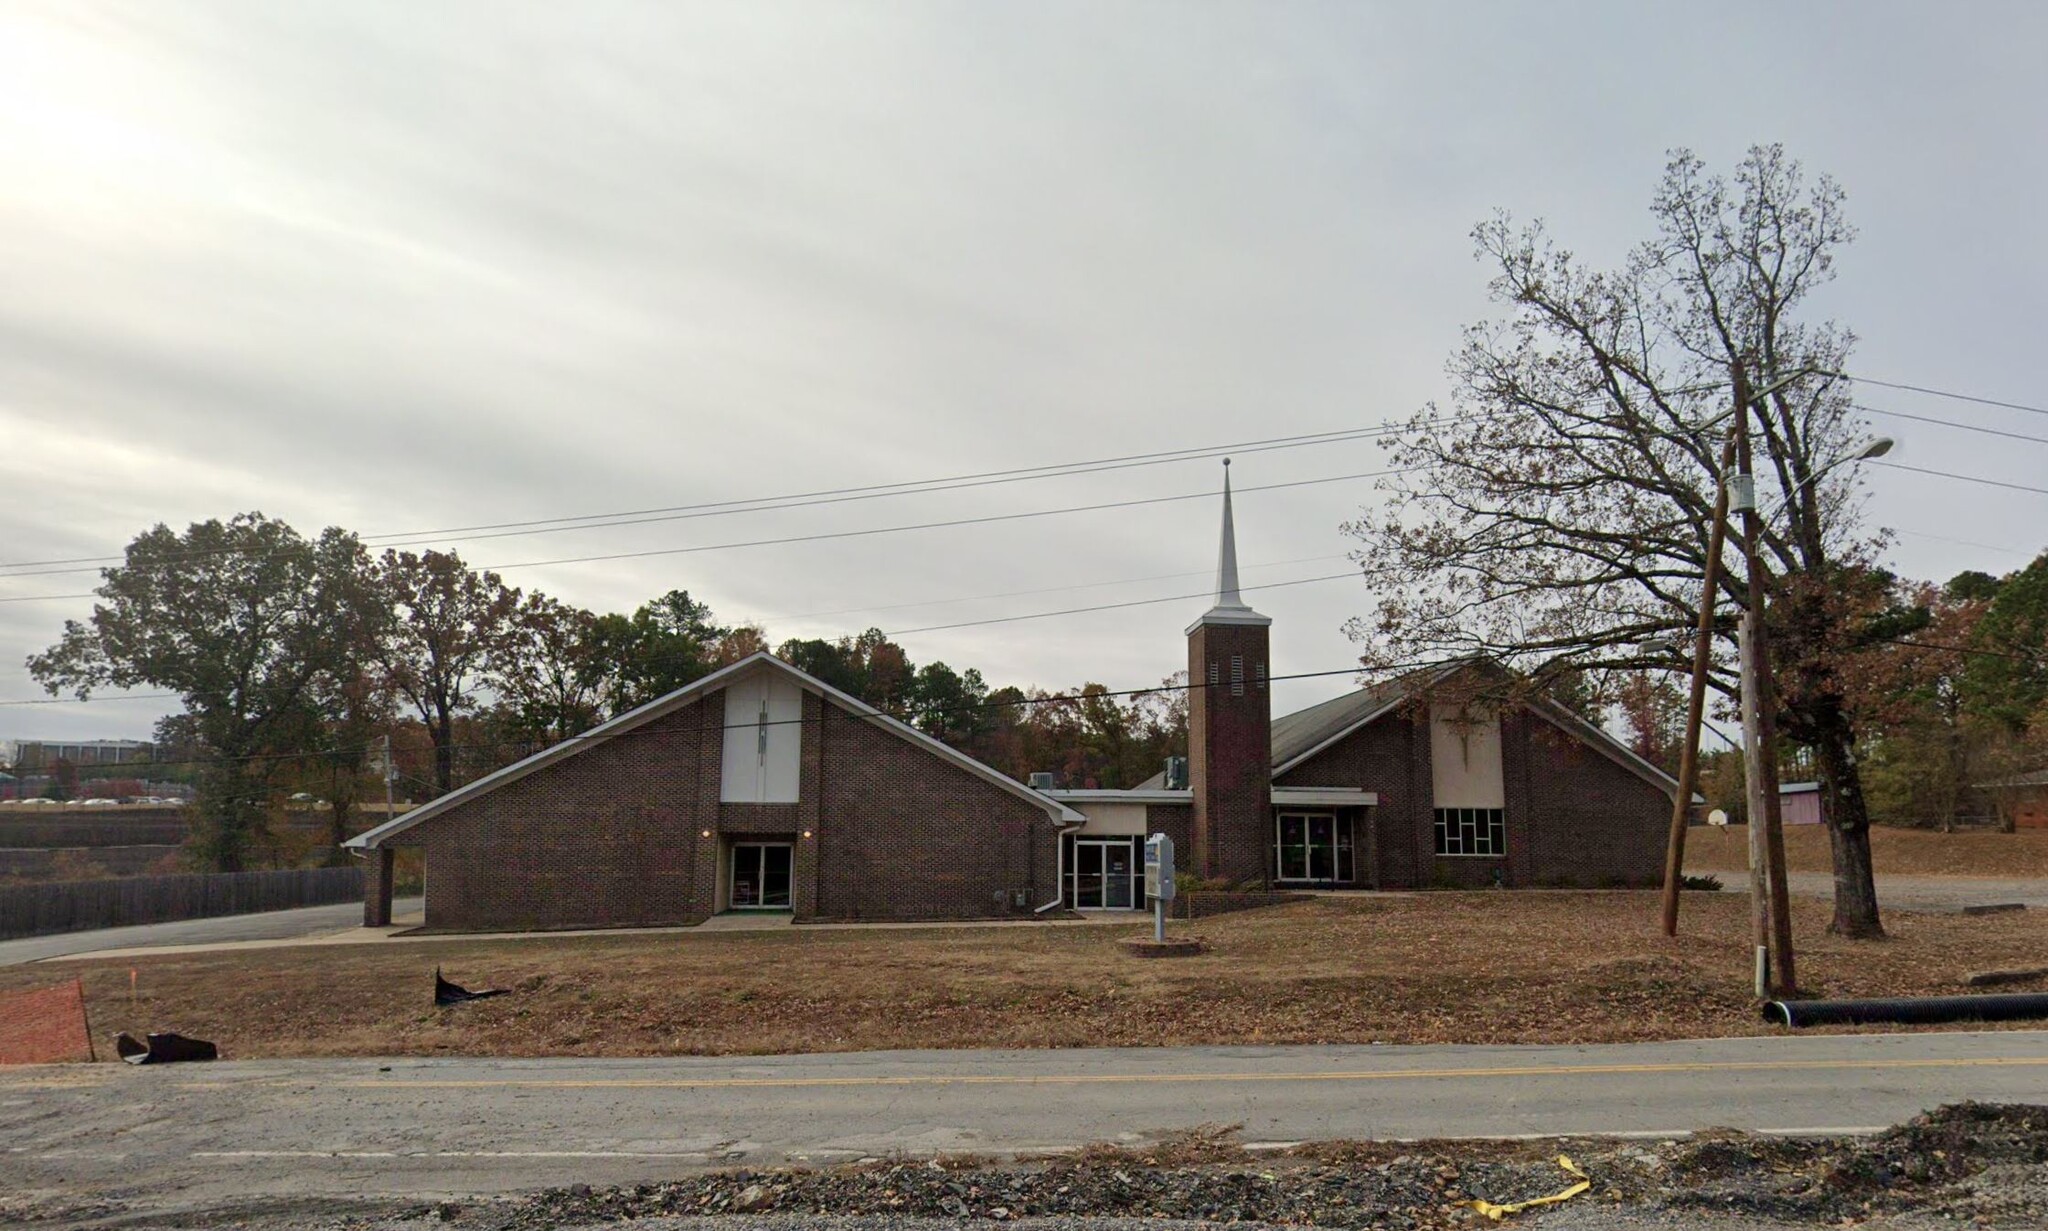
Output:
(1229, 607)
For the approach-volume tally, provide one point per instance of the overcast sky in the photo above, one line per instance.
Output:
(405, 266)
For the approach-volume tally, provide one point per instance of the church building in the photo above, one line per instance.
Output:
(762, 788)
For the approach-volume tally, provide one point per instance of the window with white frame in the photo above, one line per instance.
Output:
(1472, 831)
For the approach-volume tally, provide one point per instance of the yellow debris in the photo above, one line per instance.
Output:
(1498, 1212)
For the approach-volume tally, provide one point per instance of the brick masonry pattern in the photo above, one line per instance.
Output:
(631, 832)
(1575, 817)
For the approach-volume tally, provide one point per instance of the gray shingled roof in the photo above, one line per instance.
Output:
(1303, 731)
(1297, 733)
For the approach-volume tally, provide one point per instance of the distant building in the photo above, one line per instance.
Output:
(2022, 799)
(43, 753)
(1799, 803)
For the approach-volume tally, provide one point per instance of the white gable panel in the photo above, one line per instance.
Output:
(763, 760)
(782, 767)
(1464, 757)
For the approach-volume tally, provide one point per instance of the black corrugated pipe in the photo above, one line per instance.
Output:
(1908, 1010)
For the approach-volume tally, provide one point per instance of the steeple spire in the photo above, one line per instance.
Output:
(1226, 553)
(1230, 606)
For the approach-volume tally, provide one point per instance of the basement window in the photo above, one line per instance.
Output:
(1472, 831)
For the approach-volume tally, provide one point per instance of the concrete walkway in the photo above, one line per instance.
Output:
(301, 926)
(415, 1127)
(94, 946)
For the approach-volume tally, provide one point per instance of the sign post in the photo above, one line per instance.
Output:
(1159, 880)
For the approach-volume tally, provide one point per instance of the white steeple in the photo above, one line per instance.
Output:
(1230, 606)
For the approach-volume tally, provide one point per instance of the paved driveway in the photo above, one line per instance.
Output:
(1919, 893)
(268, 925)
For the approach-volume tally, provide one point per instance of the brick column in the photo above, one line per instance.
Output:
(821, 721)
(378, 868)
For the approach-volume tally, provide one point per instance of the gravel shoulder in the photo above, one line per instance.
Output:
(1978, 1164)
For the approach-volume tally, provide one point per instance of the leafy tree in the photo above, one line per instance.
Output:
(449, 622)
(1652, 709)
(665, 645)
(951, 705)
(1558, 521)
(2008, 682)
(243, 619)
(869, 666)
(547, 672)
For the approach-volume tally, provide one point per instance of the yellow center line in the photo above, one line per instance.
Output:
(1085, 1079)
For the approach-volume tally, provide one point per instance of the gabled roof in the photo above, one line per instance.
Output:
(1304, 733)
(374, 838)
(2038, 777)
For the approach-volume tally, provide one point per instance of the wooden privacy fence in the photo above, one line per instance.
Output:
(72, 906)
(58, 832)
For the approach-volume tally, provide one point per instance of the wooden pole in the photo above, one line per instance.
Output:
(1783, 978)
(1753, 799)
(1695, 713)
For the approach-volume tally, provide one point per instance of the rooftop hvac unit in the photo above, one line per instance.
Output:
(1176, 773)
(1041, 781)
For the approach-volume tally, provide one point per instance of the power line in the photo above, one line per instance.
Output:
(878, 711)
(940, 525)
(1141, 602)
(1940, 393)
(1940, 538)
(1964, 427)
(872, 531)
(1085, 585)
(1966, 478)
(633, 517)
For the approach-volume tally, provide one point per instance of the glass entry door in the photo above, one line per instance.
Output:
(760, 875)
(1105, 874)
(1313, 846)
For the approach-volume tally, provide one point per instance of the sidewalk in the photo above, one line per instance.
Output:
(405, 931)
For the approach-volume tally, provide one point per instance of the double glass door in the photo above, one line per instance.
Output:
(1105, 874)
(1313, 846)
(760, 875)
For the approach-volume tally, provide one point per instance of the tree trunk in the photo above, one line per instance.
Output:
(1848, 823)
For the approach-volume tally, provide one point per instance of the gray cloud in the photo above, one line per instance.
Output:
(398, 266)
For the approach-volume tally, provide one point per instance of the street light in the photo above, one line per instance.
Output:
(1876, 446)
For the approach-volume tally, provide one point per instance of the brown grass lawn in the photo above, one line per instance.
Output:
(1899, 852)
(1436, 967)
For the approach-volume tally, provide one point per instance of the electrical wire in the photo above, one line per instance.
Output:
(1940, 393)
(1964, 427)
(760, 504)
(1966, 478)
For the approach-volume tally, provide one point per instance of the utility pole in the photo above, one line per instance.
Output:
(1695, 713)
(390, 776)
(1760, 735)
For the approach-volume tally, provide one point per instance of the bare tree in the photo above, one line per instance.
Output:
(1557, 520)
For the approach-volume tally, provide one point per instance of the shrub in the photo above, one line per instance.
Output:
(1710, 883)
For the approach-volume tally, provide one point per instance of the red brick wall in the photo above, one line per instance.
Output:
(1230, 749)
(1382, 757)
(1591, 822)
(1574, 816)
(908, 835)
(613, 836)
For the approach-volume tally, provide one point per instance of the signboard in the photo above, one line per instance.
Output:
(1159, 868)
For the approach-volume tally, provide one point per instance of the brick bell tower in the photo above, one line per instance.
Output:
(1230, 726)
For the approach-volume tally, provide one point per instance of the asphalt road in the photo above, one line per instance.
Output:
(267, 925)
(201, 1135)
(1936, 894)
